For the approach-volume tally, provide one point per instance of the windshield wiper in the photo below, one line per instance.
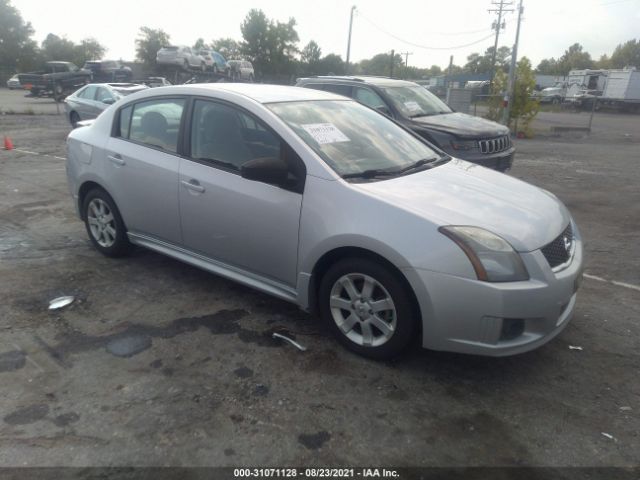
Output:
(371, 173)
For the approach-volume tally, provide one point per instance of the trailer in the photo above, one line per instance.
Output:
(622, 90)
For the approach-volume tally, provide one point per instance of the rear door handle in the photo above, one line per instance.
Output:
(117, 159)
(193, 185)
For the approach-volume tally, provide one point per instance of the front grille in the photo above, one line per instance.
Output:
(495, 145)
(559, 251)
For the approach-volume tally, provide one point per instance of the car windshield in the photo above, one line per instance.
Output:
(414, 101)
(353, 139)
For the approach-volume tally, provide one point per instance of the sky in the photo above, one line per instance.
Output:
(429, 29)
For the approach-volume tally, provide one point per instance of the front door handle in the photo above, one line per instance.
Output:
(117, 159)
(193, 185)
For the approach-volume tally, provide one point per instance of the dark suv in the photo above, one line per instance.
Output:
(108, 71)
(462, 136)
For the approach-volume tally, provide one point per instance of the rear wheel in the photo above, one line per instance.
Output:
(104, 224)
(74, 118)
(367, 307)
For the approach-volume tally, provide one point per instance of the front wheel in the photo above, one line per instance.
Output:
(367, 307)
(74, 118)
(104, 224)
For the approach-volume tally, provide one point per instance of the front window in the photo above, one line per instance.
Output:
(414, 101)
(353, 139)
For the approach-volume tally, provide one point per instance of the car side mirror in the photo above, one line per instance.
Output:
(267, 169)
(109, 101)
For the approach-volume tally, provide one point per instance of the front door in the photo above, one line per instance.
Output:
(241, 223)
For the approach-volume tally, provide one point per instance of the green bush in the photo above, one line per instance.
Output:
(524, 107)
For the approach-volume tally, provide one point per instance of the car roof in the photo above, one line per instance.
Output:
(360, 79)
(258, 92)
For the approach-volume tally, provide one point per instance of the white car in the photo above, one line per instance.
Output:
(14, 82)
(180, 56)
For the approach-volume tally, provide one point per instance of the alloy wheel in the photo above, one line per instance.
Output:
(101, 222)
(363, 309)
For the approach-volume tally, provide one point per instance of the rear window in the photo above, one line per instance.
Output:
(156, 123)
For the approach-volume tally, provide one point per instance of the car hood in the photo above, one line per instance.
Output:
(463, 193)
(461, 125)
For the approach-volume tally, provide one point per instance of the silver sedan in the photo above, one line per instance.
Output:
(323, 202)
(90, 101)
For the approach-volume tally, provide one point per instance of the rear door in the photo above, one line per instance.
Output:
(142, 165)
(239, 222)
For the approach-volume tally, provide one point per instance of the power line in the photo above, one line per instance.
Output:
(425, 47)
(498, 25)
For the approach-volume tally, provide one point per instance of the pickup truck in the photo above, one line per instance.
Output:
(56, 79)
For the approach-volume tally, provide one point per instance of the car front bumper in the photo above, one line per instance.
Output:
(501, 161)
(497, 319)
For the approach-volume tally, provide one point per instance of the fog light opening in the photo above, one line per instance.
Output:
(511, 328)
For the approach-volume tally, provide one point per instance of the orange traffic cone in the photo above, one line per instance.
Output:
(8, 144)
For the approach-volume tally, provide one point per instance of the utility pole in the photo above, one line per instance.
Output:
(346, 70)
(501, 4)
(406, 61)
(510, 94)
(393, 57)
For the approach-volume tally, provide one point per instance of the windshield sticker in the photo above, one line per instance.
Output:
(413, 106)
(325, 133)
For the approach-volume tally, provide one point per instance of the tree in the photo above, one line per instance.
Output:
(574, 58)
(310, 58)
(523, 106)
(227, 47)
(548, 66)
(331, 64)
(199, 45)
(58, 48)
(88, 49)
(626, 55)
(17, 48)
(380, 64)
(271, 46)
(477, 63)
(148, 43)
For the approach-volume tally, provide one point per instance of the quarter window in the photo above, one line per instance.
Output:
(103, 94)
(125, 122)
(89, 92)
(156, 123)
(339, 89)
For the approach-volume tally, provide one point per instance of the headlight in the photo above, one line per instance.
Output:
(464, 145)
(492, 257)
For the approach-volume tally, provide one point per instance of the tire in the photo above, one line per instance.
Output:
(203, 67)
(74, 118)
(388, 305)
(99, 211)
(555, 101)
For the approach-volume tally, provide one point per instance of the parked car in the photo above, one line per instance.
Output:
(318, 200)
(56, 79)
(180, 56)
(463, 136)
(153, 82)
(108, 71)
(208, 59)
(91, 100)
(242, 70)
(220, 65)
(14, 82)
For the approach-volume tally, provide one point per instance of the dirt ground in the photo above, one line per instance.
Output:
(205, 385)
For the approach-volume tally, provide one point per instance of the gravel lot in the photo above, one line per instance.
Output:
(210, 387)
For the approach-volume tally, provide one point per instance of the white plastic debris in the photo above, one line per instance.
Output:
(609, 436)
(292, 342)
(625, 409)
(60, 302)
(574, 347)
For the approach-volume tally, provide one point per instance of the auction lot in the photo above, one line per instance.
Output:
(205, 384)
